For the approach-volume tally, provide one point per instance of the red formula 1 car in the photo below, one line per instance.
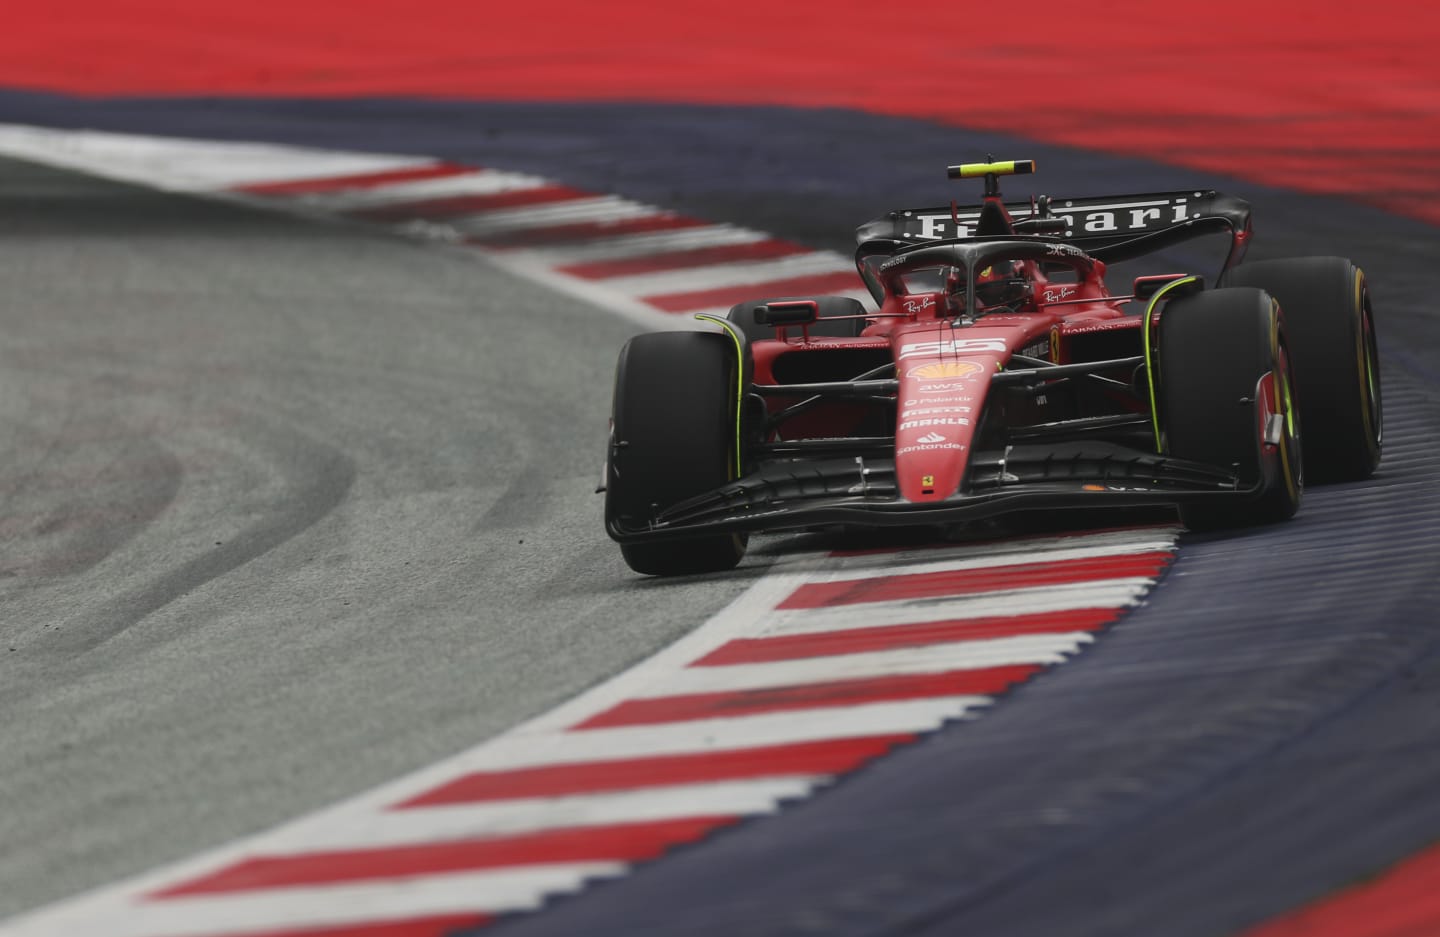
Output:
(999, 374)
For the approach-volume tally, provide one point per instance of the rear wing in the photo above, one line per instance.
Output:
(1108, 228)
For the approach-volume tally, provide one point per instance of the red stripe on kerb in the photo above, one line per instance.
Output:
(970, 581)
(453, 205)
(1402, 902)
(829, 757)
(580, 232)
(682, 260)
(437, 926)
(982, 682)
(729, 295)
(630, 842)
(889, 637)
(364, 180)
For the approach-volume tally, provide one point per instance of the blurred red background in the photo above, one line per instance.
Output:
(1324, 96)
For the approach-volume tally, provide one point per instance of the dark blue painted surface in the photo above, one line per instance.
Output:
(1265, 729)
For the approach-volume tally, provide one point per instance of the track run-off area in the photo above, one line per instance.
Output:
(298, 502)
(826, 663)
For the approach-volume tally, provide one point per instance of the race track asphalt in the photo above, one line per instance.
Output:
(288, 509)
(1192, 774)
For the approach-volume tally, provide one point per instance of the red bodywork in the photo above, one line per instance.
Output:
(998, 374)
(944, 371)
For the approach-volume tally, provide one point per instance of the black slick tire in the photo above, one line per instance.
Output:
(833, 321)
(1331, 328)
(1214, 350)
(674, 437)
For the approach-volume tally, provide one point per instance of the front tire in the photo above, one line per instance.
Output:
(1224, 372)
(1337, 367)
(673, 437)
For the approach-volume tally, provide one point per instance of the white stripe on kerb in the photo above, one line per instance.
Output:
(189, 165)
(628, 246)
(372, 902)
(479, 182)
(551, 214)
(1036, 546)
(439, 824)
(998, 558)
(716, 735)
(1106, 595)
(1045, 649)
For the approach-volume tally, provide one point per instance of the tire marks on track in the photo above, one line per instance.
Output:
(692, 741)
(734, 737)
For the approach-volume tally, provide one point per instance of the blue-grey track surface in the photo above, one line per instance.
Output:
(1265, 730)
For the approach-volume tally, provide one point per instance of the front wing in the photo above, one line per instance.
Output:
(862, 492)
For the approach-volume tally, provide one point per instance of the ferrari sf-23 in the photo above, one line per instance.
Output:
(999, 374)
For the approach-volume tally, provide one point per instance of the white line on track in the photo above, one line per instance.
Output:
(552, 214)
(630, 246)
(179, 165)
(479, 182)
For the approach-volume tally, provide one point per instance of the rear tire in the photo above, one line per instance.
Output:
(1215, 349)
(673, 438)
(743, 315)
(1337, 368)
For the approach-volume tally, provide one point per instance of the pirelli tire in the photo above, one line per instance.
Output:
(1331, 328)
(835, 319)
(1225, 396)
(673, 437)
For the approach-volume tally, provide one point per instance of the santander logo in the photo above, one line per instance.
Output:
(931, 437)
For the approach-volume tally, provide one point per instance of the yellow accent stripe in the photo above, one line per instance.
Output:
(1280, 378)
(734, 334)
(972, 170)
(1149, 363)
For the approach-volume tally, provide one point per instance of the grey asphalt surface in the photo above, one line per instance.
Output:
(1106, 790)
(286, 510)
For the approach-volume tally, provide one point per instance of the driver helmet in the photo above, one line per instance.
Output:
(1002, 285)
(999, 285)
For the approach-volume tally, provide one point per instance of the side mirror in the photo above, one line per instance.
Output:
(1051, 226)
(1147, 287)
(788, 312)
